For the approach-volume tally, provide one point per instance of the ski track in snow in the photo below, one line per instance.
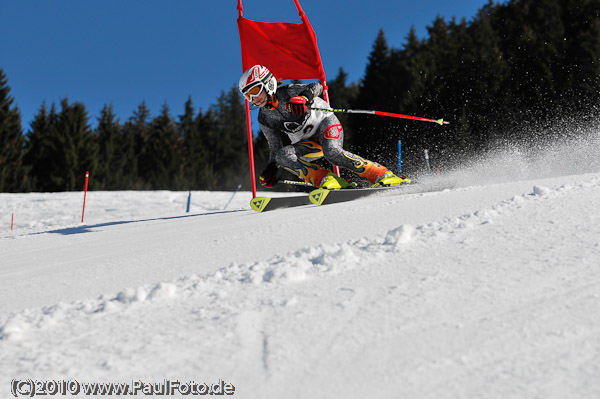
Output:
(434, 310)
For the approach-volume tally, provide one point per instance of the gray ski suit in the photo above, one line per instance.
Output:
(291, 137)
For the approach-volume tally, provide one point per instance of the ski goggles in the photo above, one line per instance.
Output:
(254, 91)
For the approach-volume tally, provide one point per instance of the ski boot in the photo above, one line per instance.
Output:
(334, 182)
(388, 179)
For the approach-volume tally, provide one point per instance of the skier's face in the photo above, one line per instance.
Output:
(260, 100)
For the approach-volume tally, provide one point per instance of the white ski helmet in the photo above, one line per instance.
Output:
(255, 80)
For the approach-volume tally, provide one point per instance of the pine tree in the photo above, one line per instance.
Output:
(79, 147)
(486, 106)
(376, 74)
(109, 173)
(201, 147)
(342, 95)
(162, 155)
(76, 146)
(62, 148)
(581, 61)
(41, 147)
(372, 95)
(193, 131)
(186, 125)
(13, 173)
(227, 142)
(533, 41)
(409, 72)
(136, 132)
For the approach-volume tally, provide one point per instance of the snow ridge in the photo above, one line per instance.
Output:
(298, 266)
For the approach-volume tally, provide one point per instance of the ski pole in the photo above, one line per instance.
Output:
(361, 111)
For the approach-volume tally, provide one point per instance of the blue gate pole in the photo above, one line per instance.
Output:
(189, 201)
(427, 162)
(399, 157)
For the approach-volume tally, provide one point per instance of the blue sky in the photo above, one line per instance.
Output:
(123, 52)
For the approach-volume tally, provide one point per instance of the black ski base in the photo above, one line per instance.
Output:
(322, 196)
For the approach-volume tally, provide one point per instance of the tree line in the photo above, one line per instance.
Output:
(507, 76)
(196, 150)
(510, 75)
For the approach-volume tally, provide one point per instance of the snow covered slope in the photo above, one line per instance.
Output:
(490, 288)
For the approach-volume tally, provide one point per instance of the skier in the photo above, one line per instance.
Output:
(285, 111)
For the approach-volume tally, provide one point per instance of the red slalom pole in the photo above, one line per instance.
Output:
(250, 148)
(391, 114)
(12, 221)
(87, 175)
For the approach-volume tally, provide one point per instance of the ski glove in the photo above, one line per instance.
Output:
(268, 178)
(297, 105)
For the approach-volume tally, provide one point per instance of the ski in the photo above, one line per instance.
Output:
(322, 196)
(264, 204)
